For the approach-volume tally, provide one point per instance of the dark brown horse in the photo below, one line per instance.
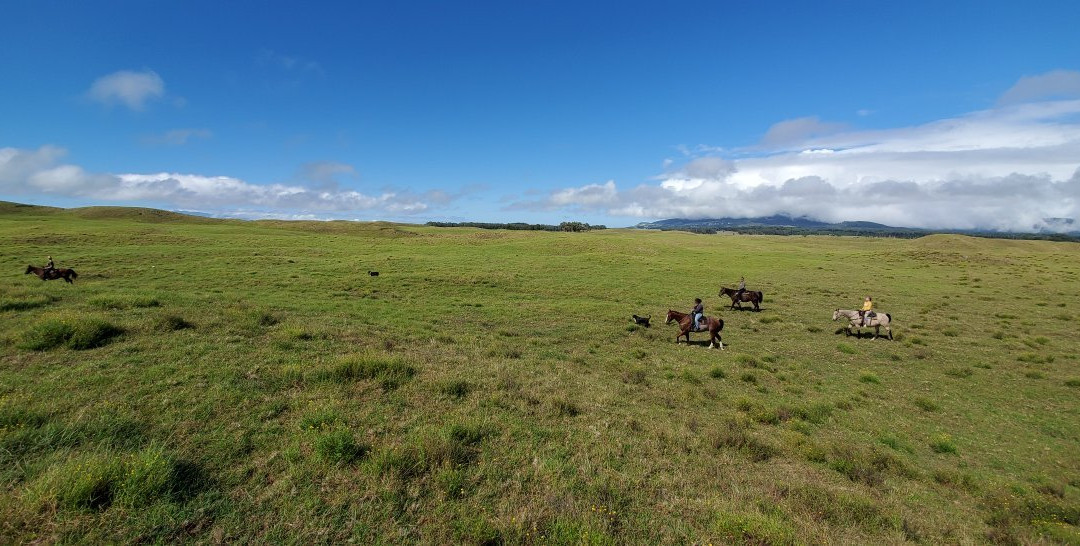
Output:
(68, 275)
(747, 295)
(686, 325)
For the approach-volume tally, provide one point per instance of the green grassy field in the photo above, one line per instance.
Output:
(217, 381)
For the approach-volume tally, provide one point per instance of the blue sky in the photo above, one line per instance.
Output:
(926, 114)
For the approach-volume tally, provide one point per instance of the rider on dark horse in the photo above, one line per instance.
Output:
(697, 315)
(741, 290)
(49, 268)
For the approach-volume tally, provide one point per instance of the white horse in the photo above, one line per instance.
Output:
(879, 320)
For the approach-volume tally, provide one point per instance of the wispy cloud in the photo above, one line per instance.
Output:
(1057, 84)
(128, 88)
(326, 174)
(288, 63)
(1010, 168)
(797, 130)
(177, 137)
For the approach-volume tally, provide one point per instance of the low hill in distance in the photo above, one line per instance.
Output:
(141, 214)
(802, 225)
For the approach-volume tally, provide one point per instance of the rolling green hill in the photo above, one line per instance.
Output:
(211, 380)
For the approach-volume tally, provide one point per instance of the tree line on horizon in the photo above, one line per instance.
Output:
(522, 226)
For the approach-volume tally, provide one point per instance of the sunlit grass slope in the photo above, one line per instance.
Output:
(208, 380)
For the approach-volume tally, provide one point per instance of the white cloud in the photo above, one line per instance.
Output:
(1057, 84)
(132, 89)
(1009, 168)
(30, 172)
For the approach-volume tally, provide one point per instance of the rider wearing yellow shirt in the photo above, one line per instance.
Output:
(867, 311)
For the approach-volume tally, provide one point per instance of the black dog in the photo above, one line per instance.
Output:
(373, 273)
(644, 321)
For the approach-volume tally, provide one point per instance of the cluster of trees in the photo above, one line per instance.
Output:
(565, 226)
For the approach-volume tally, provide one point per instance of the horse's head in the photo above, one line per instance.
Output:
(671, 316)
(836, 314)
(723, 291)
(29, 270)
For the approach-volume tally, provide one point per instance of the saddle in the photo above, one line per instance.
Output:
(699, 326)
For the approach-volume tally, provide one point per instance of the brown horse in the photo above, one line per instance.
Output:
(68, 275)
(747, 295)
(714, 325)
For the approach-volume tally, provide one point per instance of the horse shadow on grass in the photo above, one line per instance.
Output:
(702, 343)
(857, 334)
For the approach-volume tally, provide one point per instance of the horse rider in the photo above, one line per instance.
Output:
(866, 313)
(697, 314)
(49, 268)
(741, 290)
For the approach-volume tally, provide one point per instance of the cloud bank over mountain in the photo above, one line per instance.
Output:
(1011, 167)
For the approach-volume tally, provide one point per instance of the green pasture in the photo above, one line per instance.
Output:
(228, 381)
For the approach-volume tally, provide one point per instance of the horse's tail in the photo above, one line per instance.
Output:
(888, 316)
(74, 275)
(761, 296)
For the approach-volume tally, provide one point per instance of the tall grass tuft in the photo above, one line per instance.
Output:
(25, 303)
(171, 323)
(895, 443)
(47, 334)
(320, 419)
(84, 482)
(925, 404)
(124, 302)
(753, 528)
(148, 475)
(74, 333)
(868, 466)
(93, 333)
(456, 389)
(735, 435)
(943, 443)
(340, 447)
(564, 407)
(960, 373)
(390, 372)
(98, 479)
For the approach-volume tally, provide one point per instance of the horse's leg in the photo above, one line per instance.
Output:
(715, 336)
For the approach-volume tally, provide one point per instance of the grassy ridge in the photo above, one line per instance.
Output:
(249, 381)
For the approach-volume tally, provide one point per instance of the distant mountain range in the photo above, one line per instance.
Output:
(781, 224)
